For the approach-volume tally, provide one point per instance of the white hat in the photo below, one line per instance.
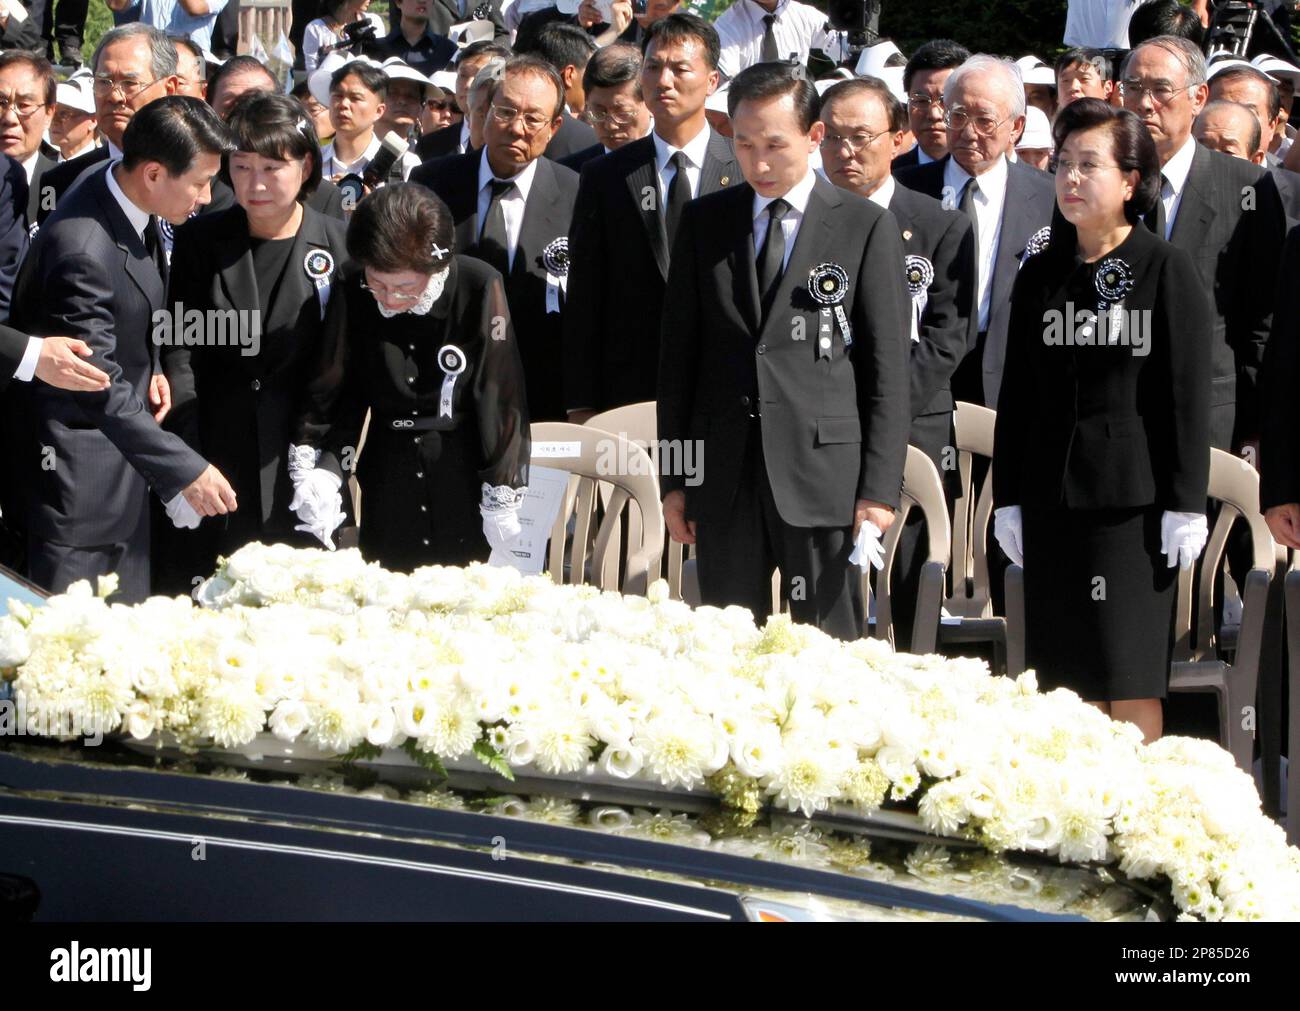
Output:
(77, 92)
(398, 69)
(1038, 131)
(1035, 71)
(444, 79)
(318, 84)
(873, 59)
(468, 32)
(893, 76)
(1219, 66)
(1277, 69)
(717, 102)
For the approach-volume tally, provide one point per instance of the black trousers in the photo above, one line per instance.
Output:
(55, 566)
(70, 22)
(736, 557)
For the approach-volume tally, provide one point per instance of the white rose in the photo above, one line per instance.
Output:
(381, 725)
(289, 720)
(621, 760)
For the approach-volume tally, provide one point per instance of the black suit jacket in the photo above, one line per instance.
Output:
(13, 345)
(1104, 427)
(437, 53)
(618, 269)
(835, 428)
(59, 179)
(1030, 200)
(1279, 442)
(946, 329)
(440, 142)
(238, 409)
(578, 159)
(14, 234)
(43, 164)
(89, 275)
(908, 159)
(445, 13)
(573, 136)
(546, 217)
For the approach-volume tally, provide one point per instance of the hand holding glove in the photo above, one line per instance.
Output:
(868, 549)
(499, 508)
(1009, 530)
(181, 513)
(1183, 537)
(317, 496)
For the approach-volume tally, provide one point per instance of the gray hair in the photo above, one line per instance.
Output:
(1256, 134)
(982, 63)
(1185, 51)
(162, 52)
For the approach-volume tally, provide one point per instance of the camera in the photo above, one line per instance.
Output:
(859, 18)
(1246, 28)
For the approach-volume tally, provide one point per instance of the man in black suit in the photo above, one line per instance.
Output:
(629, 204)
(28, 87)
(567, 48)
(865, 124)
(512, 207)
(87, 461)
(923, 80)
(141, 62)
(614, 104)
(413, 39)
(1008, 203)
(784, 355)
(454, 139)
(1226, 213)
(445, 13)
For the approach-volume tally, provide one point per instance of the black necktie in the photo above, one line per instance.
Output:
(967, 207)
(1155, 218)
(772, 259)
(154, 247)
(768, 53)
(679, 193)
(493, 243)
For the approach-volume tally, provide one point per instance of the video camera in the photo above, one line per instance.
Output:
(1247, 28)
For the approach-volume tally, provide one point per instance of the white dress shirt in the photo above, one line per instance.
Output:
(798, 29)
(797, 197)
(29, 166)
(332, 166)
(990, 200)
(512, 204)
(696, 150)
(1099, 24)
(1175, 181)
(884, 193)
(462, 146)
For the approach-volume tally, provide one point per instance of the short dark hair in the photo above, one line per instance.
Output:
(40, 67)
(274, 126)
(1134, 149)
(330, 8)
(1259, 77)
(397, 226)
(679, 27)
(538, 68)
(173, 131)
(874, 86)
(611, 66)
(1085, 54)
(488, 47)
(1256, 135)
(937, 54)
(371, 77)
(195, 50)
(563, 45)
(1164, 17)
(772, 80)
(234, 67)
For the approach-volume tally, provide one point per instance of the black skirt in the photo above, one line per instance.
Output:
(1099, 602)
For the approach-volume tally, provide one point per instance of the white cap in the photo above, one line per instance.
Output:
(1038, 131)
(1219, 66)
(1277, 69)
(318, 84)
(717, 102)
(77, 92)
(468, 32)
(893, 76)
(567, 6)
(398, 69)
(1035, 71)
(873, 59)
(445, 80)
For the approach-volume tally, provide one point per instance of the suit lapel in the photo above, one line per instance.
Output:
(464, 202)
(641, 181)
(744, 268)
(1195, 210)
(541, 222)
(296, 286)
(809, 245)
(138, 263)
(719, 165)
(238, 278)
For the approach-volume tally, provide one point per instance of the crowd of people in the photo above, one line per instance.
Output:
(218, 291)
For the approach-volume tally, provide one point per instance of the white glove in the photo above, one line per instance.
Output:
(499, 508)
(182, 514)
(1009, 529)
(302, 460)
(867, 549)
(318, 502)
(1183, 537)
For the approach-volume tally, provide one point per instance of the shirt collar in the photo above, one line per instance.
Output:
(29, 166)
(114, 152)
(1180, 165)
(921, 157)
(367, 156)
(992, 181)
(464, 133)
(884, 193)
(523, 179)
(139, 218)
(758, 13)
(797, 196)
(695, 150)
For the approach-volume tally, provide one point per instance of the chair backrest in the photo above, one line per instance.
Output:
(636, 423)
(971, 597)
(1234, 484)
(922, 489)
(636, 482)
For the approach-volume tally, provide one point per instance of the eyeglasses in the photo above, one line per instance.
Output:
(597, 118)
(921, 102)
(24, 108)
(1162, 92)
(398, 295)
(506, 115)
(127, 87)
(984, 124)
(855, 143)
(1085, 169)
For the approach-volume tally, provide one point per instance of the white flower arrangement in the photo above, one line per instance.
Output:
(324, 648)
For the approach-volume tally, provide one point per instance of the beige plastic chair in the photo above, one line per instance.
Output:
(970, 605)
(922, 489)
(588, 559)
(638, 424)
(1199, 659)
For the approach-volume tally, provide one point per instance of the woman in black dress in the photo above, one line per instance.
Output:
(421, 338)
(1102, 445)
(255, 279)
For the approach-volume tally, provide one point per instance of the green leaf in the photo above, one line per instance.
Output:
(424, 759)
(361, 753)
(493, 759)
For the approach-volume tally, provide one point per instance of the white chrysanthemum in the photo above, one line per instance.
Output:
(451, 728)
(561, 742)
(678, 749)
(942, 809)
(806, 780)
(335, 728)
(231, 713)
